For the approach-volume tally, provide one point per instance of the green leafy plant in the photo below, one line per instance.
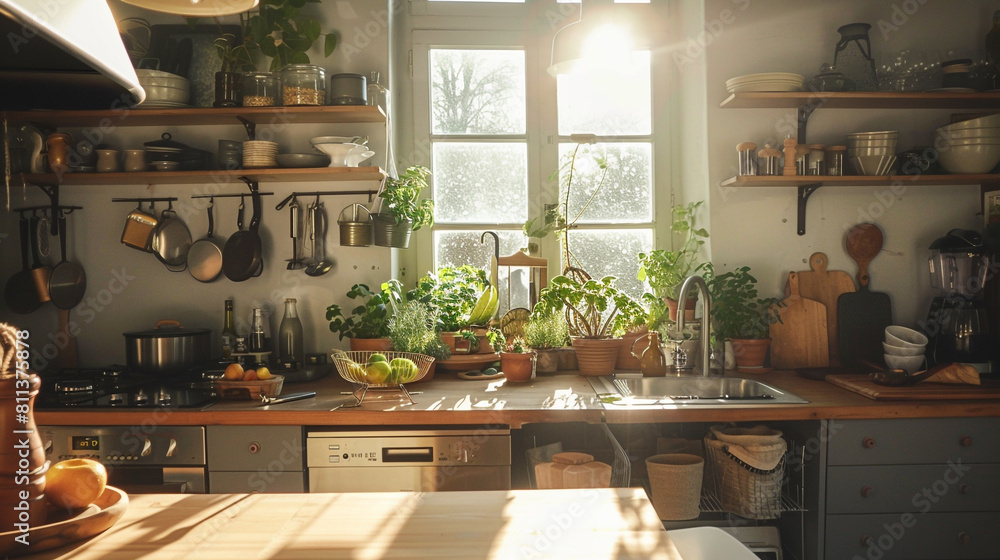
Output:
(411, 329)
(371, 318)
(544, 331)
(737, 311)
(496, 339)
(401, 198)
(276, 29)
(594, 308)
(517, 345)
(451, 294)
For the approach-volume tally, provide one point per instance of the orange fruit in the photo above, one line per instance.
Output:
(75, 483)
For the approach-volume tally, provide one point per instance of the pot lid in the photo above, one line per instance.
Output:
(167, 329)
(959, 240)
(166, 144)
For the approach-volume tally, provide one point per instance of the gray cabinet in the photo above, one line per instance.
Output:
(265, 459)
(919, 489)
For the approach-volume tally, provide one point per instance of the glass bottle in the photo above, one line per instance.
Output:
(290, 343)
(378, 96)
(853, 56)
(228, 333)
(258, 338)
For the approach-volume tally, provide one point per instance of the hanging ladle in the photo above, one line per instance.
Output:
(321, 266)
(295, 262)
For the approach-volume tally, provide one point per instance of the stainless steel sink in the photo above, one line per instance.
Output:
(712, 391)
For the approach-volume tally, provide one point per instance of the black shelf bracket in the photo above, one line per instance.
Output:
(52, 191)
(804, 112)
(805, 191)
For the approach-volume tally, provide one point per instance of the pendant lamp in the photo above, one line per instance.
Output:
(196, 8)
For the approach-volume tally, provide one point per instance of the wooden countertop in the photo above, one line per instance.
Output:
(448, 400)
(617, 523)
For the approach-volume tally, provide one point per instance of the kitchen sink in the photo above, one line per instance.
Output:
(711, 391)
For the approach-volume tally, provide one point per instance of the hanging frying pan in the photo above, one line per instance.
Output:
(39, 270)
(171, 240)
(241, 257)
(204, 259)
(19, 292)
(68, 281)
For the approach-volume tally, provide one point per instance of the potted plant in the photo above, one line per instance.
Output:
(411, 329)
(546, 333)
(594, 310)
(451, 294)
(517, 361)
(739, 315)
(401, 210)
(367, 326)
(665, 270)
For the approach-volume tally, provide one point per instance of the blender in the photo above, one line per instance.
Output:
(957, 323)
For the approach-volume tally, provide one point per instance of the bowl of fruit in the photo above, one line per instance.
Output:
(238, 383)
(381, 369)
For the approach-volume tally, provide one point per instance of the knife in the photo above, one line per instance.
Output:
(267, 401)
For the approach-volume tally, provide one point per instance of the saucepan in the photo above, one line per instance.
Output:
(168, 347)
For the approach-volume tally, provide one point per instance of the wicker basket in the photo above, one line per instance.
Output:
(745, 468)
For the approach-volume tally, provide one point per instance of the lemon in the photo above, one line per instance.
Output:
(378, 372)
(75, 483)
(356, 371)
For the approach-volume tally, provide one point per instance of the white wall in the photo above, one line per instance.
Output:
(757, 226)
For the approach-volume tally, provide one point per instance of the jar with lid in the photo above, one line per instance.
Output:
(348, 89)
(261, 89)
(303, 84)
(767, 161)
(816, 160)
(835, 160)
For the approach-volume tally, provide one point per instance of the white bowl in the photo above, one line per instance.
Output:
(909, 364)
(333, 140)
(988, 120)
(969, 158)
(876, 165)
(339, 152)
(902, 350)
(354, 159)
(898, 335)
(961, 133)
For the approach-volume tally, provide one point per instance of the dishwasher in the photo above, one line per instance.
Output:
(408, 460)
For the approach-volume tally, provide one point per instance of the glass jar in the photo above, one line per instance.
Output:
(260, 89)
(348, 89)
(303, 84)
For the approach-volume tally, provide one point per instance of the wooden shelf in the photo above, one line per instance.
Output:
(288, 175)
(349, 114)
(861, 100)
(857, 180)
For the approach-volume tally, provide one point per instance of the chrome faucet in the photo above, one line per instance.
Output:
(706, 313)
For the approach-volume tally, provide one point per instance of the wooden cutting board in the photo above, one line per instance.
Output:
(800, 339)
(863, 385)
(825, 286)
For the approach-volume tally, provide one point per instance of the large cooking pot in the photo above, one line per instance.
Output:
(167, 348)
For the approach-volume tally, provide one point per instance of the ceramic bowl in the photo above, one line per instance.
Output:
(909, 364)
(987, 121)
(965, 156)
(338, 152)
(166, 165)
(303, 160)
(898, 335)
(891, 350)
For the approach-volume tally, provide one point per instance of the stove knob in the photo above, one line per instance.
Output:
(172, 447)
(147, 448)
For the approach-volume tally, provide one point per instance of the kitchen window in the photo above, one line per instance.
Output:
(495, 126)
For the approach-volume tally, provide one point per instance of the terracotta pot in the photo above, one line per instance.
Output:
(459, 345)
(596, 356)
(750, 353)
(484, 343)
(548, 360)
(626, 361)
(672, 305)
(371, 344)
(567, 359)
(518, 368)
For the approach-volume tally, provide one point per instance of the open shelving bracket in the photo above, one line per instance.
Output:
(805, 191)
(804, 112)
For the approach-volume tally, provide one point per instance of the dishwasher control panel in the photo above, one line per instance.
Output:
(408, 448)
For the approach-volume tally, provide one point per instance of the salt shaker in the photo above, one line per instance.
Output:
(747, 159)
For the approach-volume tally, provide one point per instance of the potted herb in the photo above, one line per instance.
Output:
(517, 361)
(401, 209)
(411, 329)
(739, 315)
(367, 326)
(595, 309)
(665, 270)
(546, 333)
(451, 294)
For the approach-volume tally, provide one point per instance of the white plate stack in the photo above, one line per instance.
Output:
(260, 154)
(768, 81)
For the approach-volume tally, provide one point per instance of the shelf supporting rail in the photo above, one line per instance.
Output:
(805, 191)
(288, 198)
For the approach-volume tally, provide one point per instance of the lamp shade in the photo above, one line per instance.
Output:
(567, 48)
(196, 8)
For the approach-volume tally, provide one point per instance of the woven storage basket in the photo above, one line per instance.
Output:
(675, 481)
(745, 468)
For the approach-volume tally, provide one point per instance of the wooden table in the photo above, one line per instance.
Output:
(580, 524)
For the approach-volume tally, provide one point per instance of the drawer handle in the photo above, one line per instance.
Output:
(964, 489)
(867, 541)
(964, 538)
(867, 491)
(868, 442)
(254, 447)
(965, 441)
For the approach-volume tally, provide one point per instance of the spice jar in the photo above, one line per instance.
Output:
(303, 84)
(801, 159)
(835, 160)
(768, 161)
(816, 160)
(747, 159)
(260, 89)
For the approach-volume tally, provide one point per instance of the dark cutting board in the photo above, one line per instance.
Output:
(862, 316)
(863, 385)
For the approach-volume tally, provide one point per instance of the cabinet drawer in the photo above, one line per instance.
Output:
(262, 482)
(916, 488)
(914, 441)
(252, 448)
(928, 536)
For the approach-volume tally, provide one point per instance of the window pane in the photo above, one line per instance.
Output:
(455, 248)
(479, 182)
(612, 253)
(604, 104)
(627, 193)
(477, 91)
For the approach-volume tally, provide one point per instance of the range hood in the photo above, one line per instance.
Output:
(63, 55)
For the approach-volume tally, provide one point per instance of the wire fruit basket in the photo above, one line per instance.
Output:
(352, 366)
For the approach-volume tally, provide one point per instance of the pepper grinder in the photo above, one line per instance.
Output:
(790, 144)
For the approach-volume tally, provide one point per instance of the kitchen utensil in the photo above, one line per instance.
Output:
(167, 348)
(799, 339)
(204, 258)
(19, 293)
(241, 256)
(40, 271)
(302, 160)
(862, 316)
(896, 377)
(68, 281)
(825, 286)
(139, 226)
(43, 236)
(267, 401)
(293, 225)
(321, 266)
(863, 385)
(171, 240)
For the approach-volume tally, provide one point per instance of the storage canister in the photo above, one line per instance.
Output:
(261, 89)
(816, 160)
(348, 89)
(835, 160)
(303, 84)
(747, 159)
(355, 229)
(768, 161)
